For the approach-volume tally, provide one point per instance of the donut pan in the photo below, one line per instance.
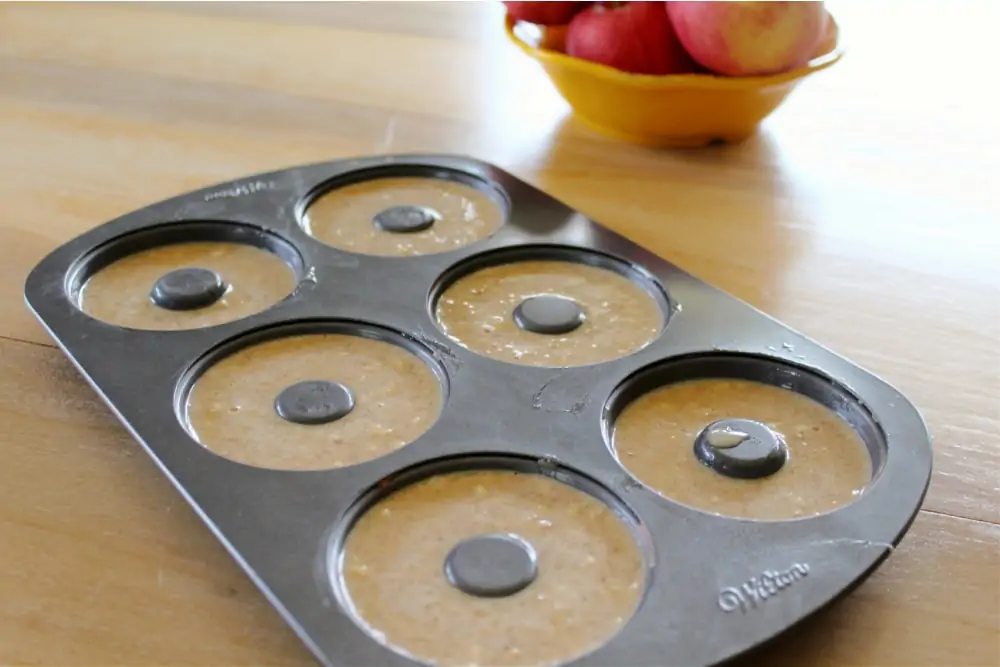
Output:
(715, 586)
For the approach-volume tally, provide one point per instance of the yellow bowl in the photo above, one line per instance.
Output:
(681, 110)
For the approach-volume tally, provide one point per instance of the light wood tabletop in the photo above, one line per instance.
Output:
(864, 214)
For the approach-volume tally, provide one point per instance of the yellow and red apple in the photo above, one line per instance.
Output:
(749, 38)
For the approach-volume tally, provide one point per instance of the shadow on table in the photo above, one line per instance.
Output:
(809, 643)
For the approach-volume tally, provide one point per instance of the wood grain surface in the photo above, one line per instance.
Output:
(865, 214)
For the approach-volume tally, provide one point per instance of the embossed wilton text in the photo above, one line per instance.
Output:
(241, 190)
(759, 589)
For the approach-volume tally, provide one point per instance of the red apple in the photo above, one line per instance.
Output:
(634, 37)
(543, 13)
(749, 38)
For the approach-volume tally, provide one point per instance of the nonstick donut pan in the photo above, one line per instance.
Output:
(564, 449)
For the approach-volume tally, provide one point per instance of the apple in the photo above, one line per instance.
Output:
(543, 13)
(634, 37)
(749, 38)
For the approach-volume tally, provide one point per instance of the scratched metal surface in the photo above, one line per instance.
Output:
(716, 586)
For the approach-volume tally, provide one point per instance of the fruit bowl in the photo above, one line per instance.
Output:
(678, 110)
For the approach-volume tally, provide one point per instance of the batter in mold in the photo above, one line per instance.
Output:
(187, 286)
(742, 449)
(492, 567)
(313, 401)
(549, 313)
(403, 216)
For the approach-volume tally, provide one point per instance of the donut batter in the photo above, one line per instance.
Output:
(120, 292)
(343, 217)
(231, 408)
(620, 316)
(828, 464)
(590, 570)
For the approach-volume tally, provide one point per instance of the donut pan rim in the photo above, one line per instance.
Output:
(717, 587)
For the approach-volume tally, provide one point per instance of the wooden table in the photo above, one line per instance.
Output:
(865, 214)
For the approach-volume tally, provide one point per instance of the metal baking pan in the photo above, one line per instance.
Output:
(715, 586)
